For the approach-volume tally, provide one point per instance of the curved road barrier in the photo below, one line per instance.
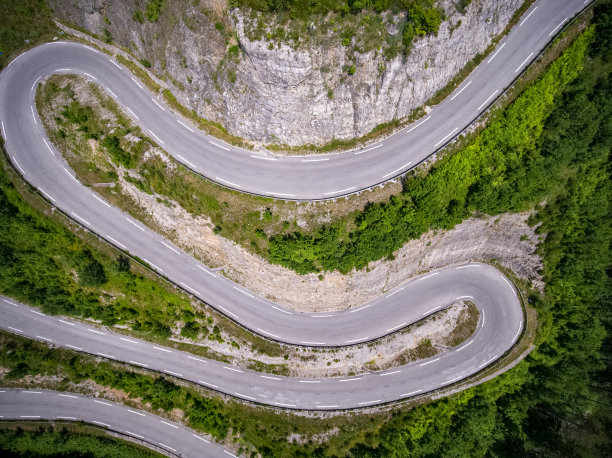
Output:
(155, 432)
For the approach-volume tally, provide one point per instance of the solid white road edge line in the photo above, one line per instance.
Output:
(186, 161)
(447, 135)
(419, 124)
(184, 125)
(532, 11)
(496, 52)
(216, 144)
(523, 63)
(227, 182)
(488, 98)
(462, 89)
(397, 170)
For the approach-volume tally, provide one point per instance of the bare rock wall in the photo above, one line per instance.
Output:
(283, 94)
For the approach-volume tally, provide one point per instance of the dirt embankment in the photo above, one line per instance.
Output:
(506, 238)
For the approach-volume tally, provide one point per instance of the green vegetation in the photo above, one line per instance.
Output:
(153, 9)
(24, 23)
(140, 73)
(72, 126)
(388, 128)
(495, 173)
(554, 402)
(210, 127)
(75, 441)
(39, 259)
(138, 16)
(361, 24)
(478, 58)
(253, 428)
(466, 325)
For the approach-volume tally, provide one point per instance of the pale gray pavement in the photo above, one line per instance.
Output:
(163, 434)
(305, 178)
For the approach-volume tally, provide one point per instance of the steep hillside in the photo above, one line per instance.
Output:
(290, 75)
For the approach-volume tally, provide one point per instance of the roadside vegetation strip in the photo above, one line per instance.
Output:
(232, 214)
(148, 305)
(75, 124)
(384, 129)
(58, 437)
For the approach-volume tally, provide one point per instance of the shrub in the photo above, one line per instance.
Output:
(138, 16)
(118, 154)
(191, 330)
(92, 273)
(106, 36)
(153, 9)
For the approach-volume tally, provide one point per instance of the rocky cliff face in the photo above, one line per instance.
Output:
(278, 93)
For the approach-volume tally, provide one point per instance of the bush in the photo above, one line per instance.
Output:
(106, 36)
(118, 154)
(84, 117)
(153, 9)
(92, 272)
(123, 263)
(191, 330)
(138, 16)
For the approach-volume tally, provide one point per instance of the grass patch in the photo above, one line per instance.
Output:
(25, 24)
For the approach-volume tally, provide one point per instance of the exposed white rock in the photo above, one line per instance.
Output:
(281, 94)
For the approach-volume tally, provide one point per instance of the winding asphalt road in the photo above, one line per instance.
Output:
(499, 326)
(294, 177)
(299, 178)
(42, 166)
(172, 438)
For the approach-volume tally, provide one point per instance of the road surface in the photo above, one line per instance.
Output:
(299, 178)
(163, 434)
(499, 327)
